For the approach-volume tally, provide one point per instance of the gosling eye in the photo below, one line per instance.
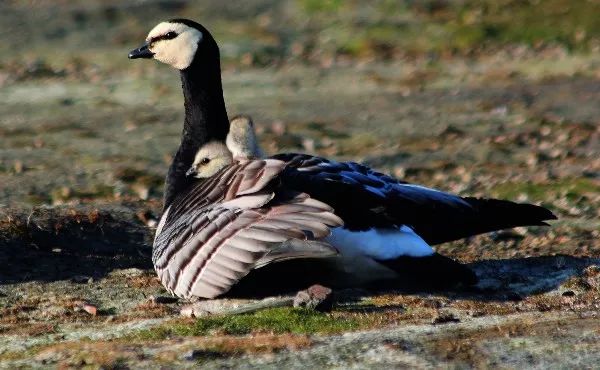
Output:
(170, 35)
(204, 161)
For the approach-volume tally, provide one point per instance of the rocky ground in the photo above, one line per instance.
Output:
(439, 94)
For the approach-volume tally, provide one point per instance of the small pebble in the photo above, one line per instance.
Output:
(316, 297)
(278, 128)
(90, 308)
(142, 191)
(308, 144)
(18, 166)
(193, 311)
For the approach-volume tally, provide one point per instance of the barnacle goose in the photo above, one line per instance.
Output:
(387, 223)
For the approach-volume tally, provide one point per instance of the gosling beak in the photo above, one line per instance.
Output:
(191, 172)
(141, 52)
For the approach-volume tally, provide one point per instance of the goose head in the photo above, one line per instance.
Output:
(176, 42)
(210, 159)
(241, 139)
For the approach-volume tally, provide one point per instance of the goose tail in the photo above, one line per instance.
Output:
(495, 214)
(481, 216)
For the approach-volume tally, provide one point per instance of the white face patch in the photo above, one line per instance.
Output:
(177, 52)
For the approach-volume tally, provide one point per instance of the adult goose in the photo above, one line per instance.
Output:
(387, 224)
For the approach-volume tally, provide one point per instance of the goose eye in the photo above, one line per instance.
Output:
(170, 35)
(205, 161)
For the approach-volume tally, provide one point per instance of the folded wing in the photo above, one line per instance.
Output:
(218, 231)
(364, 199)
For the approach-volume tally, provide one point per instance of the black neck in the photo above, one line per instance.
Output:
(205, 120)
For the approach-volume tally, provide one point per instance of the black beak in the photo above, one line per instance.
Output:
(141, 52)
(191, 172)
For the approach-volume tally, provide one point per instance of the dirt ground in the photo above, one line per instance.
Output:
(442, 94)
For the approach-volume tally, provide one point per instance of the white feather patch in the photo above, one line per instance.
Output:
(379, 244)
(178, 52)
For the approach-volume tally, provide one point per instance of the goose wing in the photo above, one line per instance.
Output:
(219, 230)
(364, 199)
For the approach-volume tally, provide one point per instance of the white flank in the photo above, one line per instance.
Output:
(379, 244)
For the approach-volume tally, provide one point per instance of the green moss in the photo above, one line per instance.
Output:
(130, 175)
(275, 320)
(571, 23)
(357, 144)
(321, 6)
(325, 130)
(9, 355)
(36, 198)
(572, 188)
(97, 191)
(433, 26)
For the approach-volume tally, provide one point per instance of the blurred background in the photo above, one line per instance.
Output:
(496, 98)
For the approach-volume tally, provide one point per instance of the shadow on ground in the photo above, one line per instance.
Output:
(500, 280)
(50, 244)
(59, 243)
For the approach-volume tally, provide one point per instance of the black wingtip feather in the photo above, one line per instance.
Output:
(505, 211)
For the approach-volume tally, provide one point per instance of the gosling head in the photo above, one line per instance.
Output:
(210, 159)
(241, 140)
(177, 42)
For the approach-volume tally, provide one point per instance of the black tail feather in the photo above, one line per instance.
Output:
(484, 215)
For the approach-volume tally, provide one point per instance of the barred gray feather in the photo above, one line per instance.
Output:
(221, 228)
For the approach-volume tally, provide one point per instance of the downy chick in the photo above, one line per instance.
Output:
(210, 159)
(241, 140)
(241, 143)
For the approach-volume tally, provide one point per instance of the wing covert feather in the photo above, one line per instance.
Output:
(217, 232)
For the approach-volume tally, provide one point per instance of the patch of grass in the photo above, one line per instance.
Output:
(36, 198)
(325, 130)
(97, 191)
(442, 26)
(358, 144)
(321, 6)
(570, 23)
(572, 189)
(275, 320)
(16, 355)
